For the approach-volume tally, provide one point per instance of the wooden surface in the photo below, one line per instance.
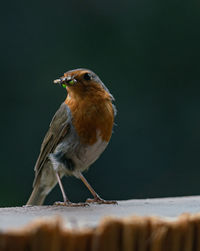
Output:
(170, 224)
(90, 216)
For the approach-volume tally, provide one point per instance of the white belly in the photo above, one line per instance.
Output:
(82, 155)
(86, 155)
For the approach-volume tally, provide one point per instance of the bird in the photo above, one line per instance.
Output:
(79, 132)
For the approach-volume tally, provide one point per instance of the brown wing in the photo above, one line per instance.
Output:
(58, 128)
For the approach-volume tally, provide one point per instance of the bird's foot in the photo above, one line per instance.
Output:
(70, 204)
(98, 200)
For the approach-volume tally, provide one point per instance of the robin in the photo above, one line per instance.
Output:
(78, 133)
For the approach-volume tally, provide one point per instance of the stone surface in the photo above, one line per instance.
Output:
(14, 217)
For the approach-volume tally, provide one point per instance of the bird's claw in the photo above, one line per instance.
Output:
(98, 200)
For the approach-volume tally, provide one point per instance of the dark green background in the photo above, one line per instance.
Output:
(146, 52)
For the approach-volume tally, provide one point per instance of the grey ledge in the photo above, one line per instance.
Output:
(90, 216)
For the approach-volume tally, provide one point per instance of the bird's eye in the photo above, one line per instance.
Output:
(87, 76)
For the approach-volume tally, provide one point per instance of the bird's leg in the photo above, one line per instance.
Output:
(97, 198)
(66, 201)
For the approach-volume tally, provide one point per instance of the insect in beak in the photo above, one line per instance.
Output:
(64, 81)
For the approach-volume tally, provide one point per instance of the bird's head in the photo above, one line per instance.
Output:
(82, 82)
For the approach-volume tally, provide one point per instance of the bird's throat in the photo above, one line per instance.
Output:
(92, 116)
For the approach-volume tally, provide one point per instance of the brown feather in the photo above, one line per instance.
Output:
(91, 113)
(57, 130)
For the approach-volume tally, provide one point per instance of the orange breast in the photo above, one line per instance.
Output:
(92, 115)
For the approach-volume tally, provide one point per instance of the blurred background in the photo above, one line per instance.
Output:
(146, 52)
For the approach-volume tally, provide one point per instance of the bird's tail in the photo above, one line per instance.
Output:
(37, 197)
